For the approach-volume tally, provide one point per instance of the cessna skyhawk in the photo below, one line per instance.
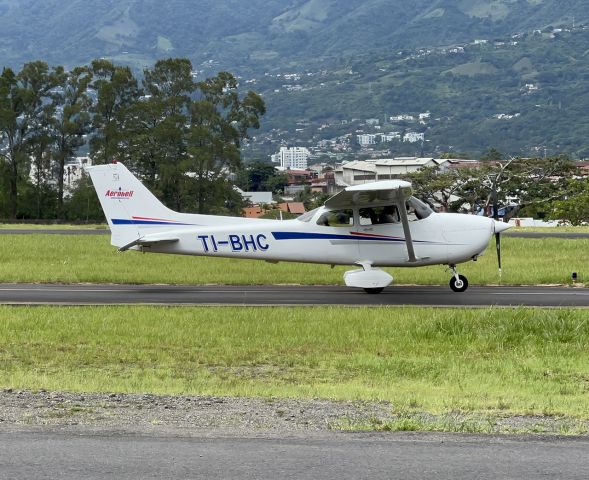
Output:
(378, 224)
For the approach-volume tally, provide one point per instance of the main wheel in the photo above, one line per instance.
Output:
(373, 291)
(459, 285)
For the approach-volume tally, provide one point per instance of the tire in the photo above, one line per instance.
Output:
(459, 286)
(374, 291)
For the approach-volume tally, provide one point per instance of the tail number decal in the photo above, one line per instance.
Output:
(237, 243)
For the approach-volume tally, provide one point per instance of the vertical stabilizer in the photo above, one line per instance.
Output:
(131, 210)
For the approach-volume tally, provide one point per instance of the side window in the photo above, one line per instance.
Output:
(379, 215)
(337, 218)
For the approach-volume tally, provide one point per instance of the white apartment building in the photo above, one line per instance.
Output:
(389, 137)
(367, 139)
(292, 157)
(413, 137)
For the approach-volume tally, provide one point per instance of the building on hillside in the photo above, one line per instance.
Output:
(292, 157)
(366, 139)
(389, 137)
(413, 137)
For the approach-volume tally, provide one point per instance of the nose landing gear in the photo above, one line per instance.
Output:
(458, 283)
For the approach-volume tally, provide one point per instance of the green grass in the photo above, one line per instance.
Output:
(488, 362)
(460, 422)
(50, 226)
(91, 258)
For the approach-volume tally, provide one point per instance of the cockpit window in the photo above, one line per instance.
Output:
(307, 216)
(417, 210)
(337, 218)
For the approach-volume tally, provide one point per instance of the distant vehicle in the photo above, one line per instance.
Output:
(378, 224)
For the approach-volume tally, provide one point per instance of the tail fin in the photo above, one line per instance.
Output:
(131, 210)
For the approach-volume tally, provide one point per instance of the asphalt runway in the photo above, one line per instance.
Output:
(334, 456)
(290, 295)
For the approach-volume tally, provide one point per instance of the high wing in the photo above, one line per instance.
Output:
(371, 194)
(378, 193)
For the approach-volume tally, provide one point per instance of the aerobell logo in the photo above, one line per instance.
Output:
(120, 193)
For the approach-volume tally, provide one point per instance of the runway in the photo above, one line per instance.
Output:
(440, 296)
(40, 455)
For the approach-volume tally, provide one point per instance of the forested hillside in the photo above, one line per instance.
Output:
(257, 32)
(522, 91)
(523, 96)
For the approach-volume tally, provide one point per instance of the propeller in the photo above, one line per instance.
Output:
(498, 247)
(499, 227)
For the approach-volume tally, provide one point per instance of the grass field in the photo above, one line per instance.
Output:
(51, 226)
(91, 258)
(494, 361)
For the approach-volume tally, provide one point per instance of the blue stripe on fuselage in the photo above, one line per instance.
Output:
(329, 236)
(122, 221)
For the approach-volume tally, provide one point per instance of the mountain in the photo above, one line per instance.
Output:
(257, 33)
(527, 96)
(522, 87)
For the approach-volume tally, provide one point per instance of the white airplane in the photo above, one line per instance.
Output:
(377, 224)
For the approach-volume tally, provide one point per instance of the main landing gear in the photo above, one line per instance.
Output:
(374, 291)
(458, 283)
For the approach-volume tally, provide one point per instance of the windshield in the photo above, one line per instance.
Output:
(418, 209)
(305, 217)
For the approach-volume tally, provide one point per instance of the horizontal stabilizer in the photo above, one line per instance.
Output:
(148, 241)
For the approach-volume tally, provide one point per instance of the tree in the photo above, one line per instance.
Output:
(257, 176)
(41, 157)
(83, 205)
(574, 207)
(156, 125)
(536, 182)
(116, 89)
(492, 154)
(436, 187)
(21, 109)
(219, 122)
(71, 118)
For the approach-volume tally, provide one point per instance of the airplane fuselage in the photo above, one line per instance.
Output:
(378, 224)
(440, 238)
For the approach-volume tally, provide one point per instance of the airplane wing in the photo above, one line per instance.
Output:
(385, 191)
(378, 193)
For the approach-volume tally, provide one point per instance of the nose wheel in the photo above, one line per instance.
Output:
(458, 283)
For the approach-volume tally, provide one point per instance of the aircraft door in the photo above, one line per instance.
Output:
(340, 233)
(380, 234)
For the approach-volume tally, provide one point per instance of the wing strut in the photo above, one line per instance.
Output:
(406, 230)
